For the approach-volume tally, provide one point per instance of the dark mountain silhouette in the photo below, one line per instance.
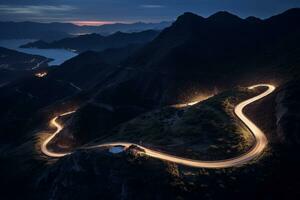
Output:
(97, 42)
(129, 28)
(225, 18)
(253, 19)
(197, 53)
(193, 56)
(220, 51)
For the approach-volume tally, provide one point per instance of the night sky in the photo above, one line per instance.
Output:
(109, 11)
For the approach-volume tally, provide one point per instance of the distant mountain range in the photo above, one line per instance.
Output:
(108, 29)
(56, 31)
(97, 42)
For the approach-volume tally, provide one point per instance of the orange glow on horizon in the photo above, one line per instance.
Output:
(91, 23)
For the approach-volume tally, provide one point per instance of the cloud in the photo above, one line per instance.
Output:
(151, 6)
(34, 10)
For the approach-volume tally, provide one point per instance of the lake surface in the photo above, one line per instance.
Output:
(116, 149)
(59, 55)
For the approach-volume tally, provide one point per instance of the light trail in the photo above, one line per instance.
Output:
(254, 152)
(182, 105)
(58, 129)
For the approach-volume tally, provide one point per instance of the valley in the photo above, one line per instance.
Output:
(203, 107)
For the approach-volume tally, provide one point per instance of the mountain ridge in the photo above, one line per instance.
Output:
(96, 41)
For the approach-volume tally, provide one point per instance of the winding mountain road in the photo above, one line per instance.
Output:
(254, 152)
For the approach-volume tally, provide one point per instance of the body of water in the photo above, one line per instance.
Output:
(59, 55)
(116, 149)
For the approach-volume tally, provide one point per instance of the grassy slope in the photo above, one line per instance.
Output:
(207, 130)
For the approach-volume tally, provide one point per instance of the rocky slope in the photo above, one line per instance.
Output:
(287, 113)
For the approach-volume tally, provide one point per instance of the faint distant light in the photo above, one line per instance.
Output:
(41, 74)
(196, 100)
(92, 23)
